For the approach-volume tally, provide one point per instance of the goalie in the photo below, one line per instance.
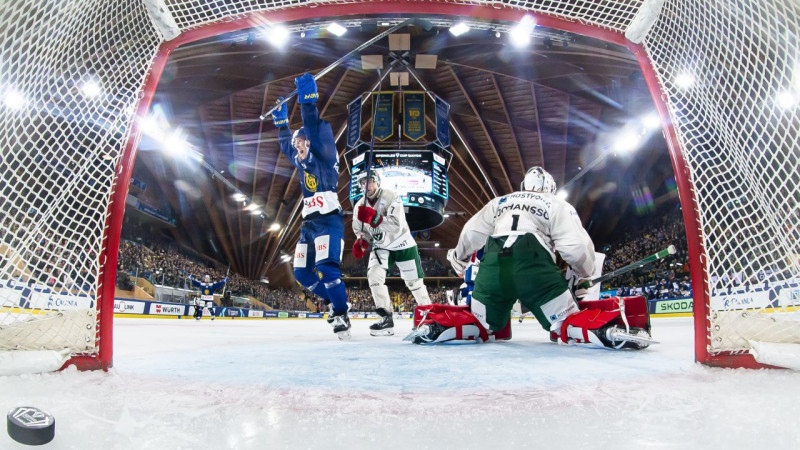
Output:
(380, 219)
(521, 233)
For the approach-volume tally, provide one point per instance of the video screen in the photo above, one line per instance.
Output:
(404, 172)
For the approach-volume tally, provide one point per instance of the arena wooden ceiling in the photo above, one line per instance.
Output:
(511, 108)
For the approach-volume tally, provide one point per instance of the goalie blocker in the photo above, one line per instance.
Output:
(616, 322)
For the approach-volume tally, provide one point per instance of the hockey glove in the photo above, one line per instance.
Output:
(306, 89)
(369, 215)
(280, 117)
(458, 266)
(359, 248)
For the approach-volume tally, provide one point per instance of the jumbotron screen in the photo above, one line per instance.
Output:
(408, 173)
(418, 176)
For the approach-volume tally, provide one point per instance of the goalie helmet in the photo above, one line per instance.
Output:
(538, 180)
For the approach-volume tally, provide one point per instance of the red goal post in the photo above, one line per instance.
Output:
(69, 155)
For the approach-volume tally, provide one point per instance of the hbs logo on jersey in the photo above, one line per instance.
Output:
(311, 182)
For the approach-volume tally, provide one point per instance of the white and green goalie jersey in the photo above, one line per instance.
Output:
(553, 221)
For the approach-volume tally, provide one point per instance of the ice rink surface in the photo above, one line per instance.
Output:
(182, 384)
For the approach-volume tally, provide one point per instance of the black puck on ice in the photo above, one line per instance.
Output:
(30, 426)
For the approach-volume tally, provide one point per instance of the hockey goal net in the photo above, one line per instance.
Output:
(74, 75)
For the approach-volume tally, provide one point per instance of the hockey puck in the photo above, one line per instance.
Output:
(30, 426)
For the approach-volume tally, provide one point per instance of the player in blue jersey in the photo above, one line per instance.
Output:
(312, 150)
(206, 298)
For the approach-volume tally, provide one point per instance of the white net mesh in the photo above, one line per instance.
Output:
(71, 73)
(731, 72)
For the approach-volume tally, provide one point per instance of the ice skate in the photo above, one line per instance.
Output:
(383, 327)
(341, 326)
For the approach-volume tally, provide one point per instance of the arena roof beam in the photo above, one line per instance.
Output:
(489, 136)
(514, 139)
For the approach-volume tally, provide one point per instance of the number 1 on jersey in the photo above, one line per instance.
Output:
(515, 222)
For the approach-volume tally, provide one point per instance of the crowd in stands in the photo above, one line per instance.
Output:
(665, 278)
(430, 267)
(55, 261)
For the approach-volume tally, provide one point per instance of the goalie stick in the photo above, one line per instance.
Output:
(635, 265)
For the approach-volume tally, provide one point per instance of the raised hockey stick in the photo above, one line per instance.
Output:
(635, 265)
(415, 21)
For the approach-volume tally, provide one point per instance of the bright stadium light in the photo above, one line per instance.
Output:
(90, 89)
(627, 141)
(651, 121)
(459, 29)
(337, 29)
(275, 226)
(277, 35)
(684, 80)
(175, 144)
(520, 35)
(786, 99)
(562, 194)
(238, 197)
(436, 244)
(13, 99)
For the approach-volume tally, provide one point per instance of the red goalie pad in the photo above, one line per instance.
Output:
(455, 316)
(596, 314)
(635, 309)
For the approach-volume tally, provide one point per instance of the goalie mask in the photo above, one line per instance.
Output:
(538, 180)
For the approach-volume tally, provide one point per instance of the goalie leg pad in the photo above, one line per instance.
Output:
(456, 322)
(606, 323)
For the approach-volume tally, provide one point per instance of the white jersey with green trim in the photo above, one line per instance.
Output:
(553, 221)
(393, 232)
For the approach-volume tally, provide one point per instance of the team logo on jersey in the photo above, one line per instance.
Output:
(311, 182)
(378, 236)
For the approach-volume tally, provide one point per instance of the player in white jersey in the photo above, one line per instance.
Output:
(380, 219)
(522, 232)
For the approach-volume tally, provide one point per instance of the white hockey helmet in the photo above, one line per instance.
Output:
(374, 176)
(538, 180)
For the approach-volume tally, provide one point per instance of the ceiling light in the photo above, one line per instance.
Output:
(651, 121)
(90, 89)
(337, 29)
(385, 24)
(277, 35)
(520, 35)
(275, 226)
(627, 141)
(446, 216)
(175, 144)
(786, 100)
(459, 29)
(436, 244)
(13, 99)
(239, 197)
(684, 80)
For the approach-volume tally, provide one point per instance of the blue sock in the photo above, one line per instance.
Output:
(332, 280)
(310, 280)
